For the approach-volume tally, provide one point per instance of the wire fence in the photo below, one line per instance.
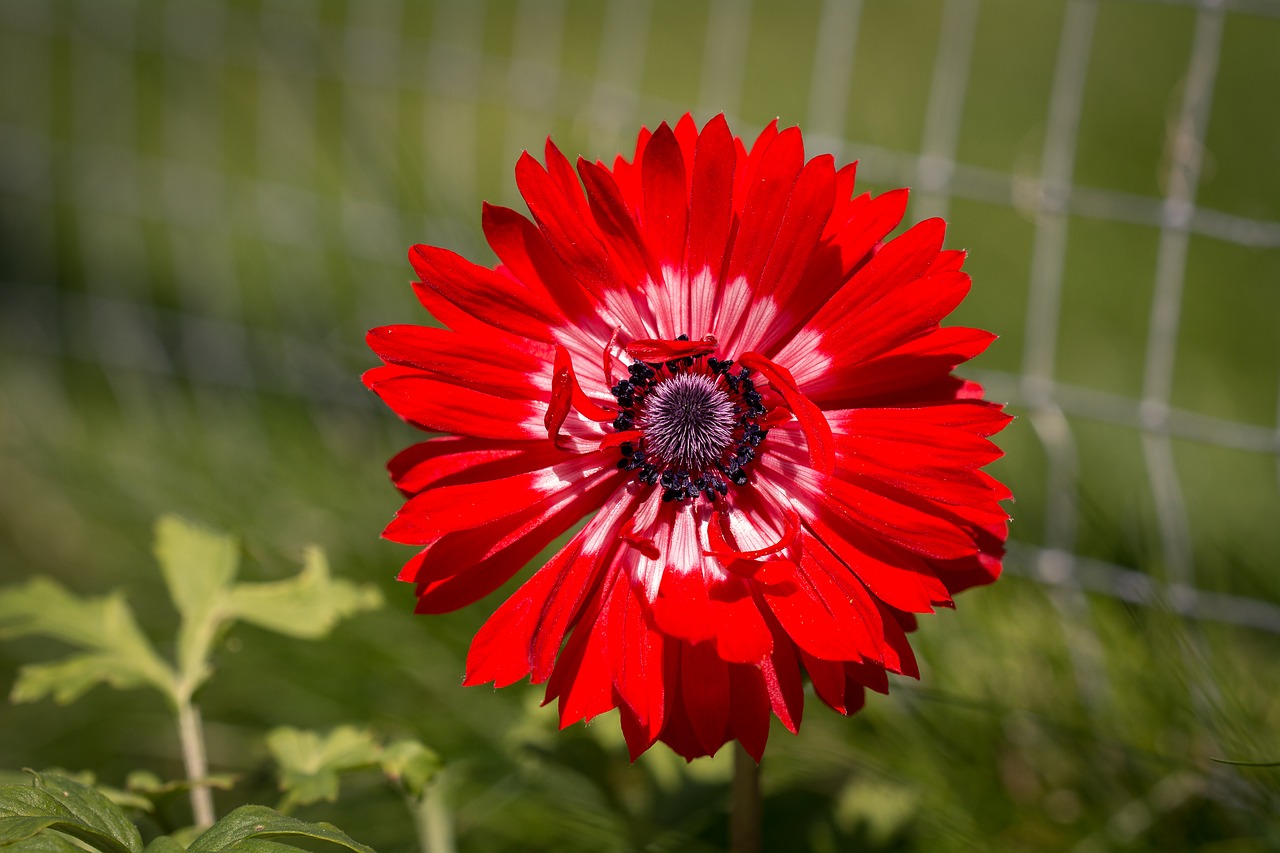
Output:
(166, 166)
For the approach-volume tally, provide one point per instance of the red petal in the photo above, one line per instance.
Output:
(566, 232)
(443, 510)
(816, 429)
(582, 679)
(765, 205)
(617, 439)
(654, 350)
(687, 135)
(916, 373)
(614, 220)
(710, 216)
(444, 407)
(744, 176)
(828, 680)
(482, 365)
(521, 247)
(897, 517)
(807, 212)
(898, 655)
(677, 731)
(683, 607)
(454, 459)
(643, 544)
(749, 709)
(666, 197)
(485, 294)
(741, 633)
(466, 566)
(903, 259)
(812, 620)
(705, 685)
(871, 223)
(911, 310)
(948, 261)
(721, 549)
(536, 614)
(637, 650)
(562, 381)
(781, 673)
(894, 575)
(635, 733)
(561, 171)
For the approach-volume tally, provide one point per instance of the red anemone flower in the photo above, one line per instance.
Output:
(716, 355)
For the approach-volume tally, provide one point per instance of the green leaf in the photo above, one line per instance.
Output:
(56, 802)
(116, 650)
(307, 605)
(44, 842)
(259, 822)
(310, 762)
(1245, 763)
(411, 764)
(197, 562)
(262, 845)
(68, 679)
(164, 844)
(198, 565)
(146, 782)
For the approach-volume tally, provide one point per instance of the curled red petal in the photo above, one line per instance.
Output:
(616, 439)
(561, 402)
(814, 423)
(584, 405)
(721, 548)
(643, 544)
(608, 355)
(654, 350)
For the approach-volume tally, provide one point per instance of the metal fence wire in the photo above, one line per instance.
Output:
(221, 194)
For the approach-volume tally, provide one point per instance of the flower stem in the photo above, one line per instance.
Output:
(432, 820)
(745, 819)
(191, 735)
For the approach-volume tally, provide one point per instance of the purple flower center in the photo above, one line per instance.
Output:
(687, 421)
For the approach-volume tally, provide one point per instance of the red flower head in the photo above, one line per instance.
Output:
(716, 355)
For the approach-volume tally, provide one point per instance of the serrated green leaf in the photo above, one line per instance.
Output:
(62, 804)
(146, 782)
(164, 844)
(185, 835)
(259, 822)
(127, 799)
(117, 652)
(411, 764)
(307, 605)
(68, 679)
(310, 762)
(199, 565)
(196, 561)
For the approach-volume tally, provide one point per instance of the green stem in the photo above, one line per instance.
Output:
(745, 819)
(191, 735)
(432, 819)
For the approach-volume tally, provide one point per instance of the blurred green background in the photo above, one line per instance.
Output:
(203, 206)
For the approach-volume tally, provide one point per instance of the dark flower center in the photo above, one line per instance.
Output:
(698, 420)
(688, 421)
